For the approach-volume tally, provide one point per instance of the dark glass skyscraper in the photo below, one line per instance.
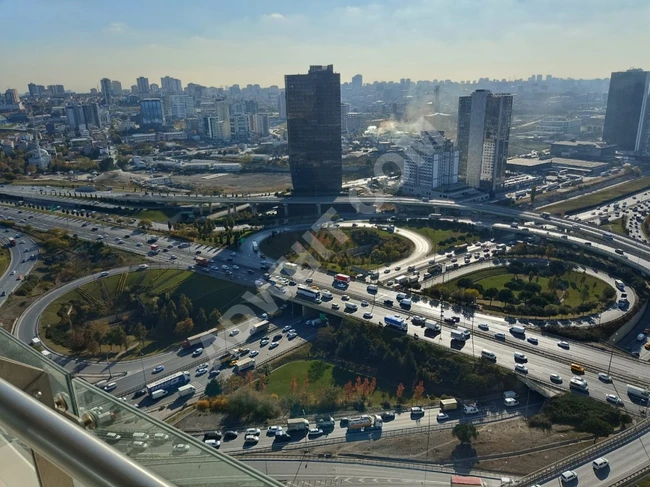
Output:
(314, 128)
(627, 109)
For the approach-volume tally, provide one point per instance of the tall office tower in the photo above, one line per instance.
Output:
(483, 137)
(239, 126)
(154, 88)
(217, 129)
(171, 85)
(436, 166)
(151, 110)
(107, 89)
(33, 89)
(56, 90)
(282, 105)
(143, 84)
(223, 115)
(75, 116)
(83, 115)
(134, 89)
(259, 124)
(182, 106)
(116, 87)
(314, 130)
(357, 81)
(11, 97)
(627, 110)
(345, 109)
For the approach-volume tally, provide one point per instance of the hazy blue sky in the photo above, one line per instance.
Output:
(216, 43)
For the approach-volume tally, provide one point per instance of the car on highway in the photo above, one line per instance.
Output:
(532, 340)
(273, 345)
(230, 435)
(197, 352)
(157, 369)
(520, 357)
(442, 416)
(600, 463)
(201, 371)
(563, 344)
(254, 353)
(337, 306)
(364, 303)
(234, 332)
(314, 432)
(251, 439)
(285, 329)
(470, 410)
(272, 430)
(417, 411)
(309, 280)
(345, 297)
(606, 378)
(181, 448)
(483, 326)
(568, 476)
(212, 443)
(521, 368)
(253, 431)
(388, 416)
(139, 393)
(278, 337)
(613, 398)
(112, 437)
(292, 335)
(557, 379)
(264, 342)
(367, 316)
(13, 273)
(110, 386)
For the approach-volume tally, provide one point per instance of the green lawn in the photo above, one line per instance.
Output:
(161, 216)
(599, 197)
(616, 226)
(436, 236)
(5, 258)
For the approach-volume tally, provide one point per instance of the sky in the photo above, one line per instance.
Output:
(220, 43)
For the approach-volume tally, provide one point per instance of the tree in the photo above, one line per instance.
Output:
(107, 164)
(213, 318)
(418, 391)
(490, 293)
(584, 294)
(200, 320)
(145, 224)
(140, 332)
(400, 392)
(184, 327)
(214, 388)
(609, 293)
(597, 427)
(506, 296)
(465, 432)
(117, 336)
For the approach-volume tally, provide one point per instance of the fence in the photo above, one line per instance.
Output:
(595, 451)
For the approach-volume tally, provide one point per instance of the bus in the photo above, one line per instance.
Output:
(175, 380)
(344, 278)
(204, 339)
(155, 248)
(12, 242)
(307, 293)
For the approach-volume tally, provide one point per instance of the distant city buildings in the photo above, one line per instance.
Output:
(36, 90)
(259, 124)
(83, 116)
(282, 105)
(171, 85)
(56, 90)
(116, 87)
(483, 137)
(345, 110)
(314, 130)
(151, 111)
(627, 120)
(560, 125)
(143, 84)
(357, 82)
(429, 165)
(106, 86)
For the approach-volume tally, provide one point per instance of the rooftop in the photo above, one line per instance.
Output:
(583, 143)
(522, 161)
(577, 163)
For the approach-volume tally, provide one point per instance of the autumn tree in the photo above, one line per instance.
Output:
(400, 392)
(184, 327)
(140, 332)
(294, 385)
(418, 391)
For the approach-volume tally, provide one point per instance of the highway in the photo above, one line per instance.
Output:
(21, 262)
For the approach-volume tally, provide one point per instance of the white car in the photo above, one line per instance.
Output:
(533, 340)
(315, 432)
(264, 341)
(139, 244)
(286, 328)
(197, 352)
(251, 439)
(273, 345)
(236, 267)
(181, 448)
(483, 326)
(470, 410)
(613, 398)
(364, 303)
(272, 430)
(158, 368)
(253, 431)
(234, 332)
(599, 463)
(442, 416)
(563, 344)
(13, 273)
(510, 402)
(201, 371)
(521, 368)
(292, 335)
(568, 476)
(254, 353)
(604, 377)
(556, 378)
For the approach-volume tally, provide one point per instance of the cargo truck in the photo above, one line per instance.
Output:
(458, 335)
(259, 327)
(204, 338)
(244, 364)
(186, 390)
(365, 423)
(519, 330)
(462, 481)
(448, 404)
(202, 261)
(431, 325)
(639, 393)
(297, 424)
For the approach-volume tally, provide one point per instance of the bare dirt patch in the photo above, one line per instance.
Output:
(238, 183)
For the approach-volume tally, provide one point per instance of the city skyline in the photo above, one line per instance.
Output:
(258, 44)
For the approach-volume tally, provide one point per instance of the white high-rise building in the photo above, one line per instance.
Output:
(259, 124)
(182, 106)
(282, 105)
(429, 165)
(222, 109)
(217, 129)
(171, 85)
(345, 109)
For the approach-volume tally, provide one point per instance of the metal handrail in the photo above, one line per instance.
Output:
(76, 452)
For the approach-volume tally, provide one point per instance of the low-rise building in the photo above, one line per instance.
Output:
(588, 151)
(560, 125)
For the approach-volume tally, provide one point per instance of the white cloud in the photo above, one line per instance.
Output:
(116, 27)
(274, 16)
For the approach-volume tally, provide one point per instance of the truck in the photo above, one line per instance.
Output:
(435, 269)
(462, 481)
(448, 404)
(396, 322)
(435, 216)
(413, 279)
(259, 327)
(461, 249)
(458, 335)
(12, 242)
(431, 325)
(546, 215)
(243, 364)
(289, 268)
(255, 247)
(365, 423)
(344, 278)
(518, 330)
(155, 249)
(297, 424)
(155, 395)
(204, 338)
(202, 261)
(639, 393)
(401, 280)
(324, 422)
(186, 390)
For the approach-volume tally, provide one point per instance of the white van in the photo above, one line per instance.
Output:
(140, 436)
(488, 355)
(351, 307)
(520, 356)
(373, 288)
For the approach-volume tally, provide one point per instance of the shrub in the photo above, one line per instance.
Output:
(202, 405)
(540, 421)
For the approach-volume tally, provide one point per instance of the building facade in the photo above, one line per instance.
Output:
(626, 119)
(171, 85)
(560, 125)
(151, 111)
(116, 86)
(143, 84)
(314, 130)
(107, 89)
(83, 116)
(483, 136)
(430, 164)
(345, 109)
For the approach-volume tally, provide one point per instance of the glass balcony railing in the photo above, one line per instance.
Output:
(125, 433)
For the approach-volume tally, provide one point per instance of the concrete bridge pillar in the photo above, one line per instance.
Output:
(253, 209)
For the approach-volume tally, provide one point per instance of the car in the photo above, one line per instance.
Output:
(386, 271)
(388, 416)
(172, 257)
(532, 340)
(417, 410)
(234, 332)
(212, 435)
(563, 344)
(253, 431)
(281, 436)
(500, 336)
(212, 443)
(521, 368)
(470, 410)
(315, 432)
(110, 386)
(201, 371)
(556, 378)
(483, 326)
(613, 398)
(139, 393)
(345, 297)
(139, 244)
(602, 376)
(3, 293)
(272, 430)
(157, 369)
(13, 273)
(139, 446)
(230, 435)
(398, 268)
(292, 335)
(568, 476)
(112, 437)
(254, 353)
(160, 438)
(600, 463)
(273, 345)
(180, 448)
(337, 306)
(442, 416)
(510, 402)
(285, 329)
(309, 280)
(264, 342)
(251, 439)
(364, 303)
(367, 316)
(197, 352)
(236, 267)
